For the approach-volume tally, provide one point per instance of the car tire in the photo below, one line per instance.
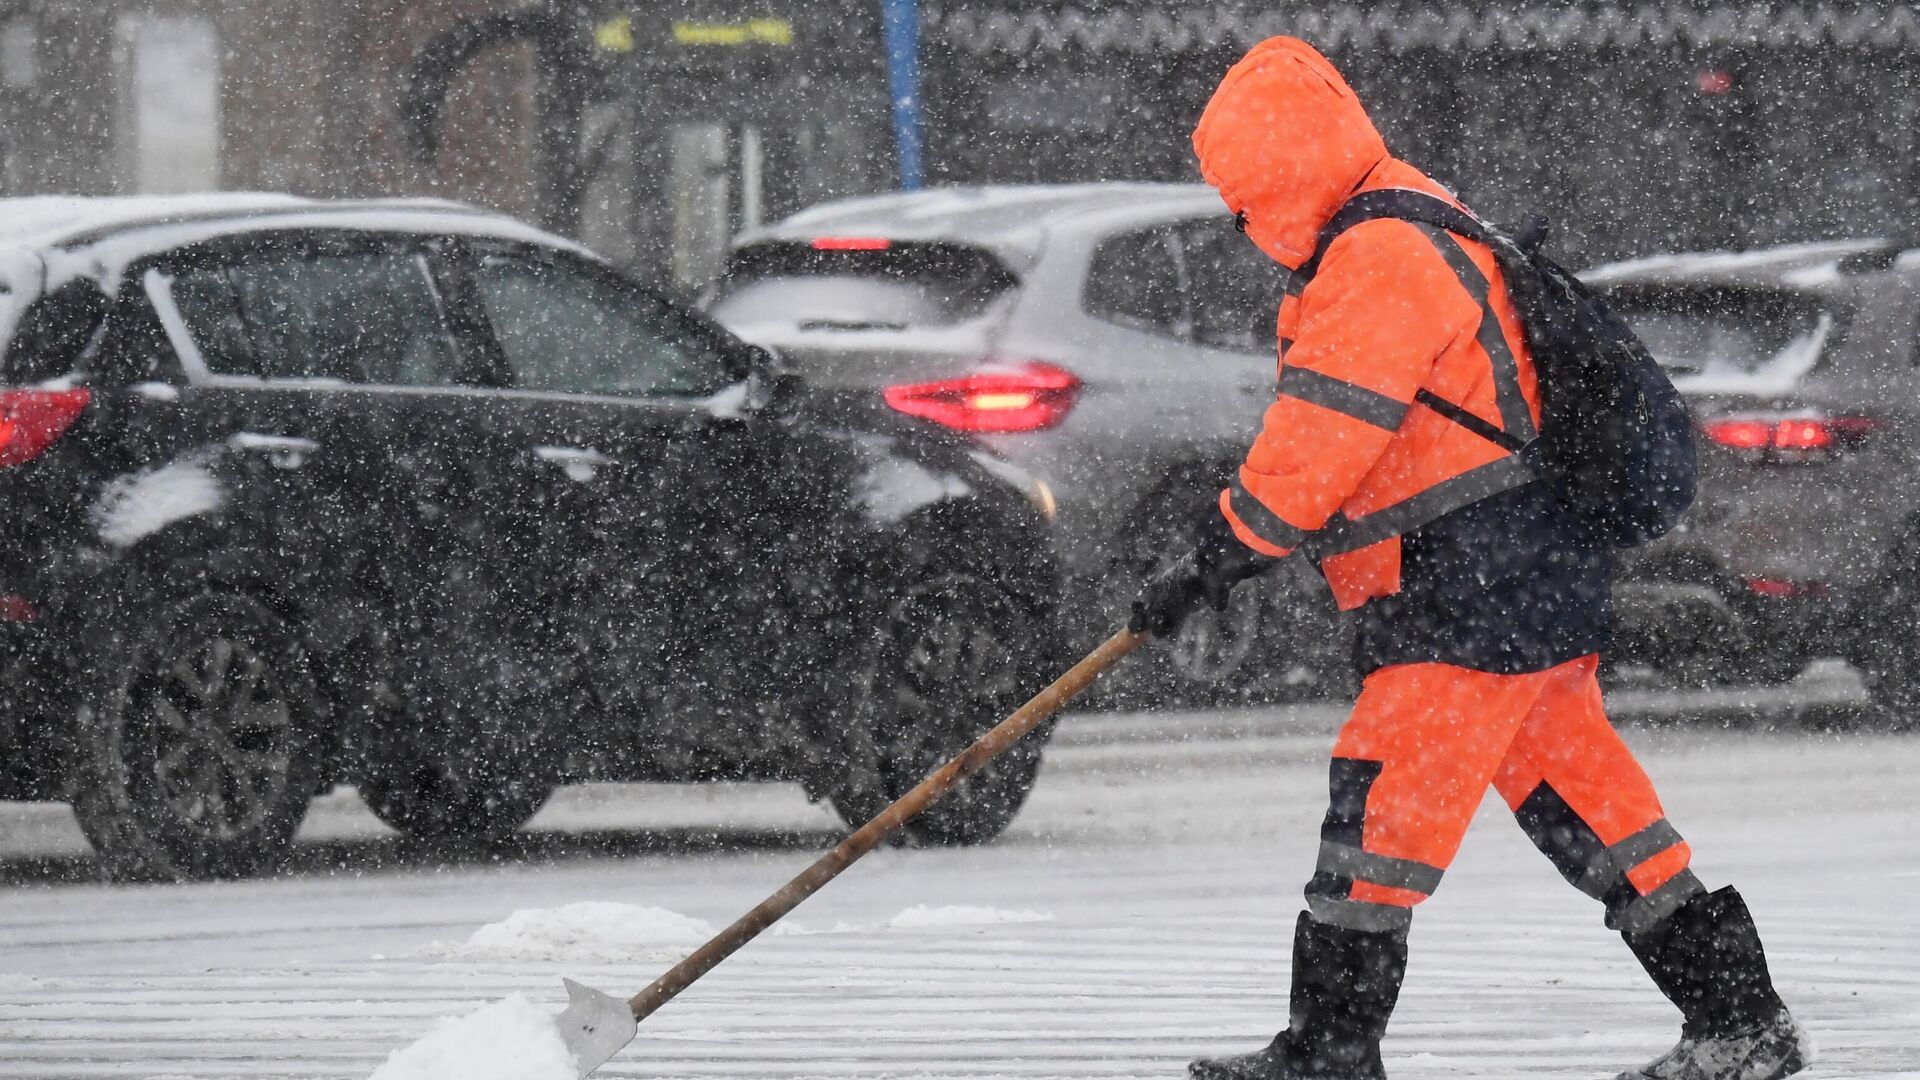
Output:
(1892, 675)
(1896, 701)
(1279, 639)
(201, 744)
(956, 657)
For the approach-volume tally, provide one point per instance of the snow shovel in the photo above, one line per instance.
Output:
(595, 1025)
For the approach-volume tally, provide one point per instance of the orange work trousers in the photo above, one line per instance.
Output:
(1414, 760)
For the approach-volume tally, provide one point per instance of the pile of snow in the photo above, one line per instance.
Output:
(507, 1040)
(593, 930)
(922, 916)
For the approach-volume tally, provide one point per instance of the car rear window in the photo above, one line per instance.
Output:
(1729, 340)
(874, 285)
(55, 332)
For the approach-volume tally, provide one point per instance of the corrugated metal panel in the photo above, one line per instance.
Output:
(1403, 27)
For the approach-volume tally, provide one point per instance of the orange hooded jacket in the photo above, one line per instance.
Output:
(1346, 461)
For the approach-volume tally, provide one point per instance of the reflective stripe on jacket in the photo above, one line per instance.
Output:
(1401, 323)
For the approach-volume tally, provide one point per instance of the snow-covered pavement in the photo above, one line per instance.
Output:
(1169, 853)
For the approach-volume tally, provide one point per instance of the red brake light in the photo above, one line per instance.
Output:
(1713, 82)
(1791, 438)
(1802, 435)
(852, 243)
(1741, 434)
(1783, 589)
(32, 420)
(1029, 397)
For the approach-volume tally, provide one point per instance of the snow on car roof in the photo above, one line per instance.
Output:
(1804, 265)
(1000, 216)
(45, 219)
(148, 224)
(46, 241)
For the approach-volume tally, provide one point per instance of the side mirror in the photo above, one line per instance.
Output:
(771, 385)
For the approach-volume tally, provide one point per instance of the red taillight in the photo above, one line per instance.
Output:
(1802, 435)
(1740, 434)
(1784, 589)
(17, 609)
(1713, 82)
(1788, 438)
(1029, 397)
(852, 243)
(32, 420)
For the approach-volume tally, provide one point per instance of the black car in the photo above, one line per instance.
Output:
(418, 498)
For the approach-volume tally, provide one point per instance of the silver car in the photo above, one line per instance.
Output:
(1116, 340)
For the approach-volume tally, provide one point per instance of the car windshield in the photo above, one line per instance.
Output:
(1729, 341)
(869, 285)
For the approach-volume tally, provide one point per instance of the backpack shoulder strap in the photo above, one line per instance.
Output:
(1442, 221)
(1403, 204)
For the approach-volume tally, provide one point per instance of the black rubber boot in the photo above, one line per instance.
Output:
(1706, 957)
(1345, 983)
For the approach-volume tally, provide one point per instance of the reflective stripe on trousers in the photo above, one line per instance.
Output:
(1422, 746)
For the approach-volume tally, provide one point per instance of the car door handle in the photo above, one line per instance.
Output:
(283, 451)
(579, 463)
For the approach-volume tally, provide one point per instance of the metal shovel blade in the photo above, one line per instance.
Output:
(595, 1026)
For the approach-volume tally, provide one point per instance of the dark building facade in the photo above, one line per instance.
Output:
(103, 97)
(657, 129)
(1632, 126)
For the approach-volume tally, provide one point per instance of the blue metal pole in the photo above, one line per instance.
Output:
(900, 22)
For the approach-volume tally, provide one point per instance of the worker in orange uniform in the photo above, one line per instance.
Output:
(1389, 457)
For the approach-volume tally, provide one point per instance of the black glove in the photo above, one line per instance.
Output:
(1204, 576)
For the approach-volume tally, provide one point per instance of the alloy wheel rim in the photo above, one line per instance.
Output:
(1213, 644)
(222, 731)
(960, 676)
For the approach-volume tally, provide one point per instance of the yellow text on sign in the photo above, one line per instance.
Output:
(752, 32)
(615, 35)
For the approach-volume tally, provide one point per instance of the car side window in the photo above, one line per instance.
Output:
(1235, 288)
(569, 329)
(353, 316)
(1134, 281)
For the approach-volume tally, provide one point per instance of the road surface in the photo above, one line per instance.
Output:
(1166, 852)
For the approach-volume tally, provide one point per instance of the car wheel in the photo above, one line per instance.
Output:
(1279, 638)
(1896, 700)
(456, 777)
(199, 750)
(956, 658)
(1891, 670)
(1212, 648)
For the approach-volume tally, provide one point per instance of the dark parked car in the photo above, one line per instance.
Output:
(1800, 364)
(415, 497)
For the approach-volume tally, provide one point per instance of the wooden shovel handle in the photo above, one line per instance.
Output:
(868, 836)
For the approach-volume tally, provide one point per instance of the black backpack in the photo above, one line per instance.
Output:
(1615, 436)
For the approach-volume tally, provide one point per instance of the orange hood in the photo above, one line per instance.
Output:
(1286, 141)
